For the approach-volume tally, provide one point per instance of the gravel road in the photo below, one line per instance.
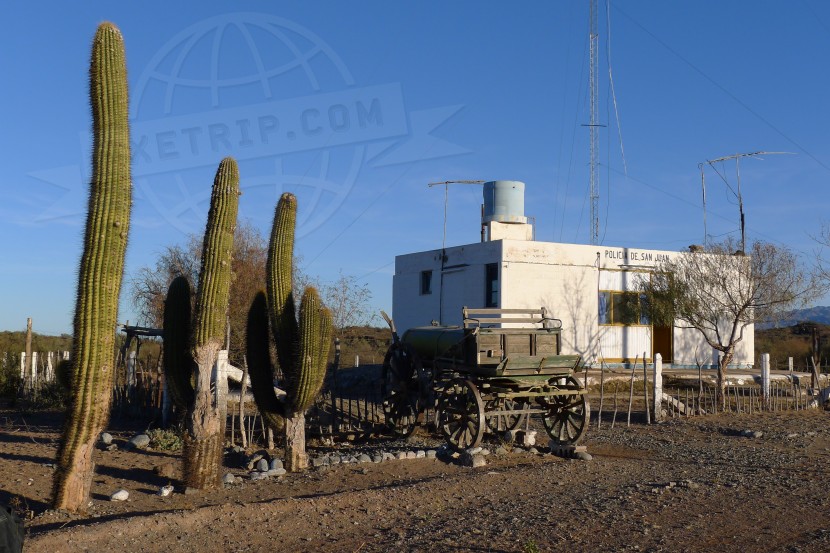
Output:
(714, 483)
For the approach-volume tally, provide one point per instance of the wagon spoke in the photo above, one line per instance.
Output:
(566, 418)
(462, 414)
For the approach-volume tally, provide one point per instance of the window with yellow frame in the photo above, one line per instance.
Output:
(623, 308)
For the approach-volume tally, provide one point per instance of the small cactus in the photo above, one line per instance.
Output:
(101, 271)
(302, 346)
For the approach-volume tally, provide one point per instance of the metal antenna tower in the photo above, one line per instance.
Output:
(593, 82)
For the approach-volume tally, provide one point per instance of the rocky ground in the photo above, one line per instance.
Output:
(725, 483)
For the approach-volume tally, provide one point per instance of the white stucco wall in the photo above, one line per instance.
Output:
(565, 278)
(462, 283)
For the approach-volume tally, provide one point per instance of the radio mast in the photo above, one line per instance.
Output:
(592, 82)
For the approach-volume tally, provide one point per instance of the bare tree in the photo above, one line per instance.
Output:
(149, 284)
(346, 297)
(822, 264)
(348, 301)
(720, 292)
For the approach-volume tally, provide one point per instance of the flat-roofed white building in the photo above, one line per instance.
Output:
(590, 288)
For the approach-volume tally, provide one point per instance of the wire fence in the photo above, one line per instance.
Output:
(615, 400)
(351, 403)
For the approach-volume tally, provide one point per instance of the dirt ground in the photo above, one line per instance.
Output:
(697, 484)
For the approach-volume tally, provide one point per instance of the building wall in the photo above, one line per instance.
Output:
(461, 283)
(565, 278)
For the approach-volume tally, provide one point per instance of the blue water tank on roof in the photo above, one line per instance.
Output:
(504, 201)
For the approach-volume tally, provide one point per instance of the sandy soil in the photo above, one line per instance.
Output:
(684, 485)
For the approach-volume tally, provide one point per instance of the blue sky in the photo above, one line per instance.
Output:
(357, 106)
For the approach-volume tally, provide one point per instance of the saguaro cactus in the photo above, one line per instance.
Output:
(101, 271)
(302, 346)
(205, 428)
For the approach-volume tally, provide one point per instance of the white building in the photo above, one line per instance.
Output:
(578, 284)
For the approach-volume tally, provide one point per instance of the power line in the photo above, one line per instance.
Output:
(579, 100)
(725, 91)
(376, 270)
(371, 204)
(697, 206)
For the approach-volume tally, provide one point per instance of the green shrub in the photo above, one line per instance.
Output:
(9, 377)
(530, 547)
(165, 439)
(51, 396)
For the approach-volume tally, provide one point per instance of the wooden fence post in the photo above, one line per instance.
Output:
(601, 393)
(244, 388)
(27, 369)
(131, 369)
(631, 390)
(645, 389)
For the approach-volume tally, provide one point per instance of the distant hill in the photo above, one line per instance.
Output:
(792, 341)
(15, 341)
(819, 314)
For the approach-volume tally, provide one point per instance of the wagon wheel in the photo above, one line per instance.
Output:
(567, 416)
(399, 401)
(461, 414)
(507, 421)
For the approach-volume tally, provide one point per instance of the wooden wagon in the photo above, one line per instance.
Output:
(487, 375)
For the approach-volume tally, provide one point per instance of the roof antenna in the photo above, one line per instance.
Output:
(446, 185)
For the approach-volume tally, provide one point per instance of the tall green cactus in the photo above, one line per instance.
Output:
(302, 346)
(178, 362)
(205, 427)
(101, 271)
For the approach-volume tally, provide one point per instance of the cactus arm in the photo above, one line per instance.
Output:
(315, 333)
(178, 362)
(279, 281)
(259, 364)
(101, 271)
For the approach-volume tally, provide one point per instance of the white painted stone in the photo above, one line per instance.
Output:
(658, 387)
(765, 375)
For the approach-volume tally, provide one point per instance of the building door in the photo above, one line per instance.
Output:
(662, 342)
